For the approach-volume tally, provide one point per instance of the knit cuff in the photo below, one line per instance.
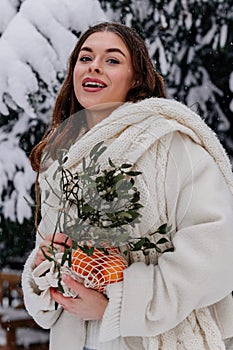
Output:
(28, 283)
(37, 303)
(110, 326)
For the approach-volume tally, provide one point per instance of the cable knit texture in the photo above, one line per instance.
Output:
(165, 300)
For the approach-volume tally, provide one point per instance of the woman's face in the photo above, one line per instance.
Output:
(103, 72)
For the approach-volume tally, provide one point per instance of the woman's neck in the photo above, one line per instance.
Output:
(96, 114)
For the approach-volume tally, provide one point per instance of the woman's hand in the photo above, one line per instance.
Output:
(88, 305)
(60, 242)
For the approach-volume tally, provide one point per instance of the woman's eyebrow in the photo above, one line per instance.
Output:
(113, 49)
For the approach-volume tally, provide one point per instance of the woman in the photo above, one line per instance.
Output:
(178, 299)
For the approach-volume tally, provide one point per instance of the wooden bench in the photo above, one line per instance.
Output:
(13, 315)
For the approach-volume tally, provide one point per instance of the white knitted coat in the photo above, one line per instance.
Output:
(182, 164)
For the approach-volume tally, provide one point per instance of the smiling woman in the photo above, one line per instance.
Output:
(173, 296)
(147, 82)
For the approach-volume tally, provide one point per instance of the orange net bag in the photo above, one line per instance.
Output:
(99, 269)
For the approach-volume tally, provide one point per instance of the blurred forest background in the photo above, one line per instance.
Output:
(190, 41)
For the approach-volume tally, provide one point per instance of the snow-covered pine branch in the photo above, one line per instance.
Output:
(179, 34)
(8, 9)
(34, 49)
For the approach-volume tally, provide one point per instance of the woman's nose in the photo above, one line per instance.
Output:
(95, 66)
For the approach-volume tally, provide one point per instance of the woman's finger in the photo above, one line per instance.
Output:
(47, 248)
(76, 286)
(59, 238)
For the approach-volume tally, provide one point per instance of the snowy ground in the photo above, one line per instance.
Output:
(26, 336)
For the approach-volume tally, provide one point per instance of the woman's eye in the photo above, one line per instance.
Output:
(85, 59)
(113, 61)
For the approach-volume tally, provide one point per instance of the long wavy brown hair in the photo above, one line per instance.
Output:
(149, 84)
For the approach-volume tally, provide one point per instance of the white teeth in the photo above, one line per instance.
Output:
(93, 84)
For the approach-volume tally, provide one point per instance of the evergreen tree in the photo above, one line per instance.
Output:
(34, 49)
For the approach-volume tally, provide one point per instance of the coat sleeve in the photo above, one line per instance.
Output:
(38, 304)
(198, 273)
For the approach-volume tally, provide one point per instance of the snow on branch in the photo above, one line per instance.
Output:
(35, 46)
(34, 50)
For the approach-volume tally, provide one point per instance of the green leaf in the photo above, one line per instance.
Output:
(98, 154)
(111, 163)
(124, 214)
(162, 241)
(64, 159)
(69, 259)
(87, 250)
(48, 257)
(134, 173)
(145, 252)
(100, 179)
(60, 288)
(104, 250)
(137, 206)
(169, 250)
(119, 177)
(134, 214)
(87, 208)
(74, 244)
(163, 229)
(95, 149)
(139, 244)
(136, 197)
(125, 166)
(64, 257)
(119, 184)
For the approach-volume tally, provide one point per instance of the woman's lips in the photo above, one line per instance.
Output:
(90, 84)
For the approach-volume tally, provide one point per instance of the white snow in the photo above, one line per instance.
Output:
(209, 36)
(231, 82)
(40, 44)
(157, 45)
(231, 88)
(33, 47)
(15, 167)
(223, 35)
(26, 336)
(204, 92)
(7, 12)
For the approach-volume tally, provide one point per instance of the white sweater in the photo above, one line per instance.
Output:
(186, 182)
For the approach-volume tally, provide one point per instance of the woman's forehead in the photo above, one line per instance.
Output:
(105, 40)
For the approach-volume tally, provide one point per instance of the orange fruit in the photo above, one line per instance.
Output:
(112, 269)
(82, 263)
(99, 269)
